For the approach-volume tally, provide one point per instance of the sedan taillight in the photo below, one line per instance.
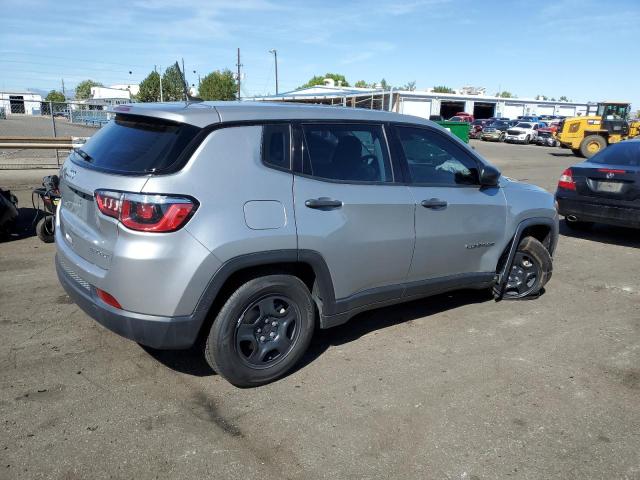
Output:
(566, 180)
(146, 213)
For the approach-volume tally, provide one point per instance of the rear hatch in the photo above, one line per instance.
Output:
(121, 156)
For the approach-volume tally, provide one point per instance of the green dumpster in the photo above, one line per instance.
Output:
(459, 129)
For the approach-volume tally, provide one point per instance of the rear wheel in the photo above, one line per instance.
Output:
(45, 229)
(262, 330)
(502, 137)
(530, 270)
(591, 145)
(527, 140)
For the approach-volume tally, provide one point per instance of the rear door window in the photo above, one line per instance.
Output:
(135, 144)
(346, 152)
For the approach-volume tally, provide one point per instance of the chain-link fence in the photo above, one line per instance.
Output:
(36, 134)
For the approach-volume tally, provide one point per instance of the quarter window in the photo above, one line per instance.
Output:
(434, 159)
(351, 153)
(275, 146)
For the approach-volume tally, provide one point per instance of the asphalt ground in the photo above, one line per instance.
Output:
(452, 387)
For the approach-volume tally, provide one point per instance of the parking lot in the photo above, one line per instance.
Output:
(452, 387)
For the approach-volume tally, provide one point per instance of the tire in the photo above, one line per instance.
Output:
(578, 224)
(45, 229)
(502, 137)
(527, 140)
(530, 271)
(239, 346)
(591, 145)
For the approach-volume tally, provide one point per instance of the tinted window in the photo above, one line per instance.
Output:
(624, 154)
(433, 158)
(275, 145)
(355, 153)
(136, 144)
(523, 125)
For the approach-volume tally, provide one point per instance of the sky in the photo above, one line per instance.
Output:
(586, 50)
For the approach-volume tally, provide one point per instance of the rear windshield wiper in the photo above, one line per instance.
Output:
(83, 154)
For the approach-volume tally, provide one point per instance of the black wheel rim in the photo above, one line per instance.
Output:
(523, 277)
(267, 331)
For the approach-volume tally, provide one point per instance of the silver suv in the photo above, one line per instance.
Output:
(246, 225)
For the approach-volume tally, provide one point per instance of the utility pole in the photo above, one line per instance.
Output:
(63, 92)
(238, 65)
(155, 70)
(275, 57)
(184, 77)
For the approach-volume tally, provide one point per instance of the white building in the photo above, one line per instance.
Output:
(134, 88)
(427, 103)
(21, 103)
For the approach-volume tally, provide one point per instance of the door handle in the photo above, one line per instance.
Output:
(323, 203)
(434, 203)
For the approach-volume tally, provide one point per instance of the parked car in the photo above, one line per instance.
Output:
(545, 138)
(436, 118)
(528, 118)
(462, 117)
(496, 131)
(498, 119)
(603, 189)
(523, 132)
(475, 128)
(247, 224)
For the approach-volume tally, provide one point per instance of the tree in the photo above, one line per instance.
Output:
(150, 88)
(172, 84)
(442, 89)
(384, 85)
(361, 84)
(319, 80)
(218, 85)
(505, 94)
(563, 99)
(411, 86)
(83, 90)
(55, 96)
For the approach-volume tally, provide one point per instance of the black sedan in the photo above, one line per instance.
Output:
(603, 189)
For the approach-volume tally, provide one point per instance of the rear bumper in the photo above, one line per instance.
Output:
(150, 330)
(594, 212)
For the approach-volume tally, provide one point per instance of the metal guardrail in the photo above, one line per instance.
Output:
(62, 143)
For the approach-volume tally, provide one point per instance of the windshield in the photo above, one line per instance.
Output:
(498, 124)
(523, 125)
(136, 144)
(624, 154)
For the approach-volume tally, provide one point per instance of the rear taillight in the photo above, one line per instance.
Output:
(146, 213)
(566, 180)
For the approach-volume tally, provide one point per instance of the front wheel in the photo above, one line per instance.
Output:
(527, 140)
(502, 138)
(591, 145)
(530, 271)
(262, 330)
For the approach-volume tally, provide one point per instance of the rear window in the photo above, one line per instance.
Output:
(625, 154)
(136, 144)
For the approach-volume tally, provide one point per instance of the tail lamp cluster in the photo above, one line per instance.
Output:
(566, 180)
(146, 213)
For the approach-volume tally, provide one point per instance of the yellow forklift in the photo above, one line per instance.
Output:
(586, 136)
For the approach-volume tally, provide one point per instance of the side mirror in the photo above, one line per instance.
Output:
(489, 176)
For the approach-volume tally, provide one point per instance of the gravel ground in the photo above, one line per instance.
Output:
(452, 387)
